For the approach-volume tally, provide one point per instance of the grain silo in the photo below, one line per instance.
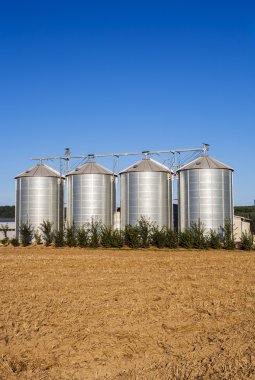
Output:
(39, 197)
(91, 194)
(205, 194)
(146, 191)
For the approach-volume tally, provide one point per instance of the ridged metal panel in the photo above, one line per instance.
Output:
(147, 194)
(205, 194)
(91, 196)
(205, 162)
(39, 199)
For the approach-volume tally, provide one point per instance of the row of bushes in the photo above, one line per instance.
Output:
(143, 235)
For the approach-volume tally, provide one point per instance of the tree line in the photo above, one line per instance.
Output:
(7, 212)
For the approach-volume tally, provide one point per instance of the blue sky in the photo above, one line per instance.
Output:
(104, 76)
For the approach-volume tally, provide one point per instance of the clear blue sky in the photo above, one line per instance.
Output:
(103, 76)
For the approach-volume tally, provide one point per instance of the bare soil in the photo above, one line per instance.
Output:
(75, 314)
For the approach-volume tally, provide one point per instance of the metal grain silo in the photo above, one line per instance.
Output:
(146, 191)
(39, 197)
(205, 194)
(91, 194)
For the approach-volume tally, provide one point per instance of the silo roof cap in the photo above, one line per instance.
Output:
(91, 168)
(40, 170)
(205, 162)
(146, 165)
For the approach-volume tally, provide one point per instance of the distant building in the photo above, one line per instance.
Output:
(241, 225)
(11, 228)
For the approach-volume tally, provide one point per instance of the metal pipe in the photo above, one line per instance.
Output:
(204, 148)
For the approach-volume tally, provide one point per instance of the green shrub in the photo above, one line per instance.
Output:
(228, 238)
(158, 237)
(14, 242)
(106, 236)
(82, 237)
(199, 239)
(48, 234)
(246, 241)
(5, 241)
(171, 239)
(59, 238)
(186, 239)
(131, 236)
(38, 237)
(95, 233)
(117, 239)
(70, 236)
(144, 229)
(26, 234)
(214, 240)
(111, 238)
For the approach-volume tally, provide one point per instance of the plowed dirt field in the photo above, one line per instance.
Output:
(76, 314)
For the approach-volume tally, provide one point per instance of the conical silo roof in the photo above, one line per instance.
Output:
(146, 165)
(40, 170)
(91, 168)
(205, 162)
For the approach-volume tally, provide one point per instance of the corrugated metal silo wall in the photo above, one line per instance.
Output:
(147, 194)
(39, 199)
(205, 194)
(91, 196)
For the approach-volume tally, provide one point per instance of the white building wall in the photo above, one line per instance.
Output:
(241, 225)
(11, 230)
(117, 220)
